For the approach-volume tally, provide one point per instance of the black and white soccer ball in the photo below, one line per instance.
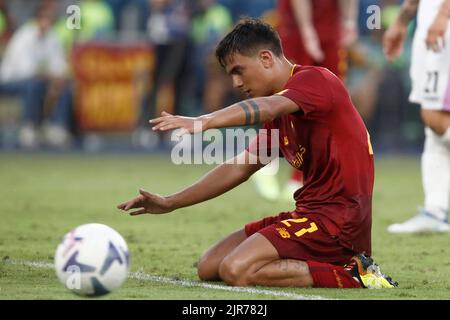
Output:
(92, 260)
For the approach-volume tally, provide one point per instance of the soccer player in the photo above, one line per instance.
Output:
(321, 243)
(318, 32)
(430, 68)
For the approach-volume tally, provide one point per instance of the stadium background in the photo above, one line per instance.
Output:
(112, 60)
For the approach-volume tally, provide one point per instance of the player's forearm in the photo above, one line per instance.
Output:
(243, 113)
(349, 11)
(445, 9)
(303, 13)
(216, 182)
(408, 11)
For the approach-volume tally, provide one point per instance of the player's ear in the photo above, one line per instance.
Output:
(266, 58)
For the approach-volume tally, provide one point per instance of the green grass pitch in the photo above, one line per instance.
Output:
(43, 196)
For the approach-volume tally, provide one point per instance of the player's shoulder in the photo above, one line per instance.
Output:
(318, 70)
(311, 78)
(311, 72)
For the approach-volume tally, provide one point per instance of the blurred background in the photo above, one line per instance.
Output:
(87, 75)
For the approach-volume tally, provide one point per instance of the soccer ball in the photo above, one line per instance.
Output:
(92, 260)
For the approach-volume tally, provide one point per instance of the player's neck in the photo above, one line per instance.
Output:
(285, 73)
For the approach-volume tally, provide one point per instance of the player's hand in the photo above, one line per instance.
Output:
(168, 121)
(436, 33)
(312, 44)
(393, 40)
(146, 202)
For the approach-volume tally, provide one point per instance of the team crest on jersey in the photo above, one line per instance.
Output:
(298, 159)
(285, 141)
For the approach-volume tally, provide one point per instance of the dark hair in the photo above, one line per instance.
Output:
(247, 37)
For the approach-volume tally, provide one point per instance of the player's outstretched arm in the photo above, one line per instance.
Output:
(218, 181)
(247, 112)
(395, 36)
(146, 202)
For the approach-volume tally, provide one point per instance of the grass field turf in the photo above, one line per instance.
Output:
(43, 196)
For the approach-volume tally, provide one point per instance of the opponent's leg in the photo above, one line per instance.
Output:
(436, 187)
(436, 175)
(208, 265)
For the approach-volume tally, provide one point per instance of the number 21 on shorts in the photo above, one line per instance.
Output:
(312, 226)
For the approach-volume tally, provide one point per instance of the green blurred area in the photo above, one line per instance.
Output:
(43, 196)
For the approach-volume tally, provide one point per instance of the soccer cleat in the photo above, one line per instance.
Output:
(368, 273)
(422, 222)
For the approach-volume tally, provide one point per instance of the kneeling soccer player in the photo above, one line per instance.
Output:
(326, 240)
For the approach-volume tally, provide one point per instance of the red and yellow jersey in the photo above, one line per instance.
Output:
(329, 142)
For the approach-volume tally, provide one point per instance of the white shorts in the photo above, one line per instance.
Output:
(430, 74)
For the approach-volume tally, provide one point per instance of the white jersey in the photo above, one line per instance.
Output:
(430, 70)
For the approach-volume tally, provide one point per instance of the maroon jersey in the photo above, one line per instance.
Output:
(328, 141)
(326, 22)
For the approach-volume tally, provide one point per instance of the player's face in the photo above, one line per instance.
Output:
(249, 74)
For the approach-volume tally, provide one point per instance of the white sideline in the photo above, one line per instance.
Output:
(183, 282)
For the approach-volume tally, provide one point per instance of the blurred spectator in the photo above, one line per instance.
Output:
(118, 8)
(96, 24)
(97, 20)
(168, 31)
(209, 23)
(34, 67)
(6, 26)
(251, 8)
(366, 64)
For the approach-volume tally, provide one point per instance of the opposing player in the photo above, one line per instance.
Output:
(321, 242)
(430, 68)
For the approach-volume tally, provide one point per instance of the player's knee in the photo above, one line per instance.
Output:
(207, 270)
(232, 272)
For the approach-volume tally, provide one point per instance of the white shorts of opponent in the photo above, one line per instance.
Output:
(430, 70)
